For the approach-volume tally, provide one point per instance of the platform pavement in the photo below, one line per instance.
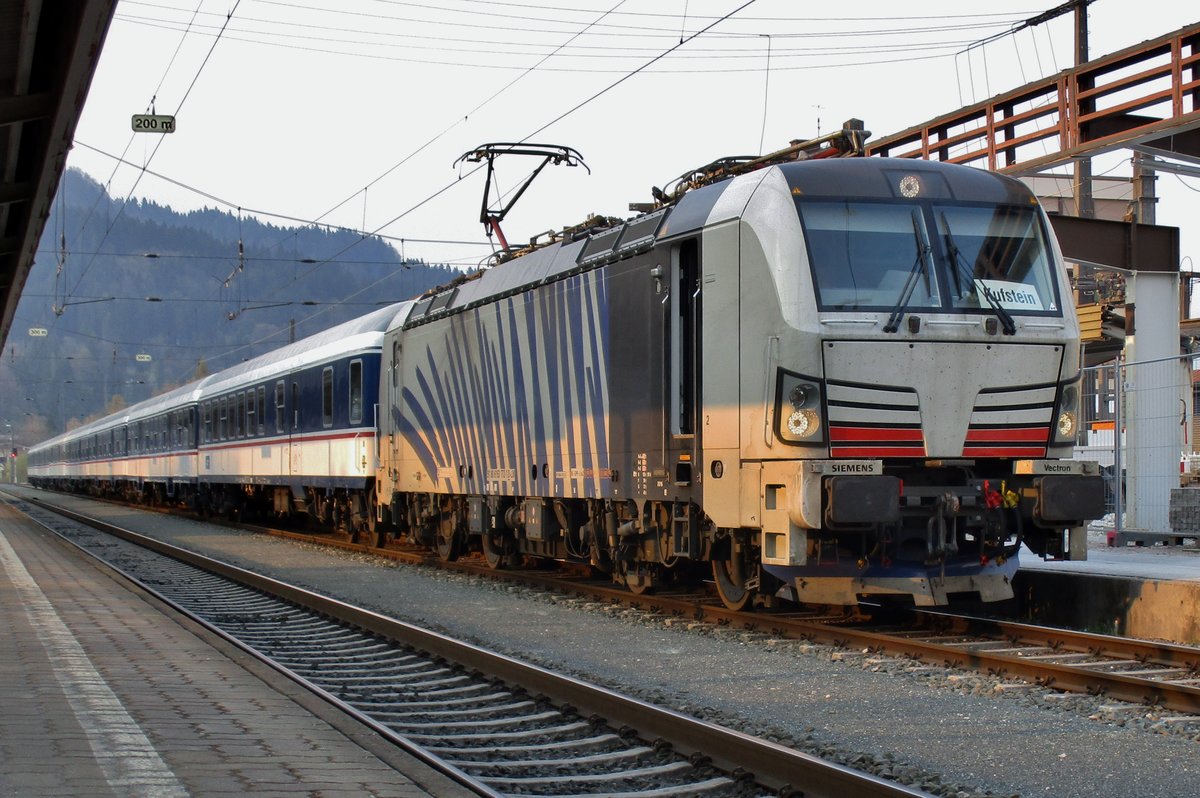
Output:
(1168, 562)
(101, 694)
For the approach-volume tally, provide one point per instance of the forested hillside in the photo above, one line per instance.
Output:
(144, 298)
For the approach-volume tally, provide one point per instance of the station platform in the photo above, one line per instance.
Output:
(102, 694)
(1150, 591)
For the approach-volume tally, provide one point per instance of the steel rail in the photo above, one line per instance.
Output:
(419, 753)
(1069, 678)
(1160, 653)
(1072, 678)
(776, 766)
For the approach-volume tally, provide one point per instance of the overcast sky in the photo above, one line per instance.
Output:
(293, 109)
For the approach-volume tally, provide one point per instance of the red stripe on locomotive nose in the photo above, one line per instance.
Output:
(1012, 434)
(1004, 451)
(875, 434)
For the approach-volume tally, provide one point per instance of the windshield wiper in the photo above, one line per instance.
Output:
(924, 252)
(963, 269)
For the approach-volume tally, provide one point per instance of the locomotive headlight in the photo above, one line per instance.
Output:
(798, 409)
(1067, 423)
(803, 423)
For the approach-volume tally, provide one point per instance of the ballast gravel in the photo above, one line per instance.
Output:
(946, 731)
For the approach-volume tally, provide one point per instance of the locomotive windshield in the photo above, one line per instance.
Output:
(933, 256)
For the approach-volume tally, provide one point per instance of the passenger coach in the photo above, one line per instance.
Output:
(288, 433)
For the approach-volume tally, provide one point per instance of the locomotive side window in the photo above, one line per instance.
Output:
(356, 391)
(327, 396)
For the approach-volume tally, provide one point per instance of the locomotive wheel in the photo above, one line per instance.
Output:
(736, 579)
(499, 550)
(449, 540)
(639, 578)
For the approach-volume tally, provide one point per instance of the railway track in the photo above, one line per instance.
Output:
(1139, 672)
(1142, 673)
(496, 725)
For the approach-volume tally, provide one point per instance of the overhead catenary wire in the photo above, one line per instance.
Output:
(936, 50)
(590, 52)
(459, 120)
(270, 214)
(149, 108)
(1003, 22)
(179, 105)
(573, 109)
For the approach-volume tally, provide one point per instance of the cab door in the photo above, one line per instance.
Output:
(685, 359)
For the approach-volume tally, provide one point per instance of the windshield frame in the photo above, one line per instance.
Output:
(948, 297)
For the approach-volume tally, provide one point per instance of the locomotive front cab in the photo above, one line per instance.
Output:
(928, 393)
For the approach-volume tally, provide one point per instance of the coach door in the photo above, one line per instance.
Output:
(295, 441)
(390, 413)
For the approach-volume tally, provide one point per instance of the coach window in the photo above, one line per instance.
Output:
(279, 406)
(261, 404)
(241, 415)
(356, 391)
(222, 424)
(327, 396)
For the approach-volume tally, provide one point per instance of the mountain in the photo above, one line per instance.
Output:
(146, 297)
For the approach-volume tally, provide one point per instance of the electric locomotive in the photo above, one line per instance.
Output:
(824, 378)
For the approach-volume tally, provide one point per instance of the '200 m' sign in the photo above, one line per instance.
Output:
(150, 123)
